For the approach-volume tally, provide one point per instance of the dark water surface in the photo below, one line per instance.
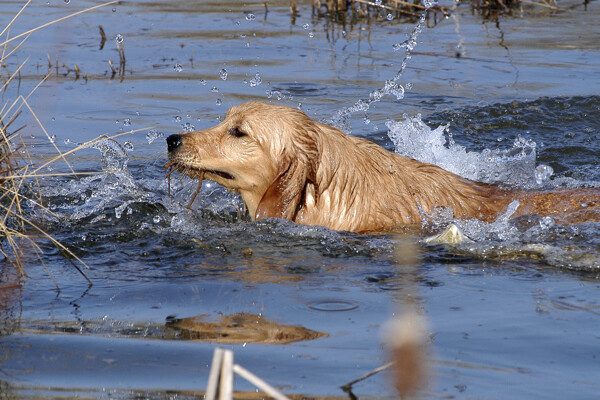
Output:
(515, 315)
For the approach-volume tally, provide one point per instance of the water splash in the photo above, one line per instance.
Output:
(391, 87)
(114, 160)
(257, 80)
(152, 135)
(513, 167)
(223, 74)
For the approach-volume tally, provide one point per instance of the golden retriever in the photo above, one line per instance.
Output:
(285, 165)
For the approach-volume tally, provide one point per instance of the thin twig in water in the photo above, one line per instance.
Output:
(348, 386)
(195, 194)
(102, 37)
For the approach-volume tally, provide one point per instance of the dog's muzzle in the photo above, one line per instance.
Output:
(174, 142)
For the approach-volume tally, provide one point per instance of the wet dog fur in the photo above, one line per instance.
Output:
(285, 165)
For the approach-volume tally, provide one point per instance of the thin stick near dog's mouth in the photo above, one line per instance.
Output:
(198, 174)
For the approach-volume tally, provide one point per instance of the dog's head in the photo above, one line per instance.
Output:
(267, 153)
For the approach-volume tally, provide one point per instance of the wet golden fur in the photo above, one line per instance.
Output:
(285, 165)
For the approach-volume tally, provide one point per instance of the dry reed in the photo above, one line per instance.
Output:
(339, 10)
(20, 233)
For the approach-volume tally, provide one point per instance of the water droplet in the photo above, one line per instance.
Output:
(203, 82)
(152, 135)
(219, 102)
(408, 86)
(311, 35)
(67, 141)
(52, 138)
(156, 219)
(378, 2)
(53, 119)
(177, 118)
(127, 122)
(178, 68)
(114, 9)
(250, 17)
(256, 80)
(306, 26)
(223, 74)
(543, 173)
(389, 17)
(187, 127)
(67, 1)
(119, 38)
(547, 222)
(214, 89)
(128, 146)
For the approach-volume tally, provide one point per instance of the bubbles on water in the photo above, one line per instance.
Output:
(250, 17)
(156, 219)
(274, 93)
(67, 1)
(429, 3)
(178, 67)
(306, 26)
(543, 173)
(389, 17)
(52, 138)
(203, 82)
(311, 35)
(219, 102)
(128, 146)
(223, 74)
(546, 222)
(152, 135)
(119, 39)
(214, 89)
(378, 2)
(127, 122)
(187, 127)
(67, 141)
(256, 80)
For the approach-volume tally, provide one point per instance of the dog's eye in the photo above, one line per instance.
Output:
(235, 131)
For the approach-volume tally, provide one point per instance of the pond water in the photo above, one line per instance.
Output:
(514, 315)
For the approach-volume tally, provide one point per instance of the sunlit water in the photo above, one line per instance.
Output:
(513, 315)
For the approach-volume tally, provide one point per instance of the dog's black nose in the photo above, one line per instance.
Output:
(173, 142)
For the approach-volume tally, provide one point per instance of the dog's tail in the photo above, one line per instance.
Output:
(566, 206)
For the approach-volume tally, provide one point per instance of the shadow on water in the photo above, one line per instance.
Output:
(512, 315)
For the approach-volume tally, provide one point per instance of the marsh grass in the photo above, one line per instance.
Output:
(354, 10)
(20, 233)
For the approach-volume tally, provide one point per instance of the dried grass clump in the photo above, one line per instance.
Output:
(355, 10)
(367, 9)
(19, 176)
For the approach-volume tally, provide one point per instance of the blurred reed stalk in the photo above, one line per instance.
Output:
(19, 176)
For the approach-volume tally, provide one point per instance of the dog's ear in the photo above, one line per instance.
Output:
(284, 196)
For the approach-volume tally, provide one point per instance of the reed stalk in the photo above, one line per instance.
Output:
(20, 233)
